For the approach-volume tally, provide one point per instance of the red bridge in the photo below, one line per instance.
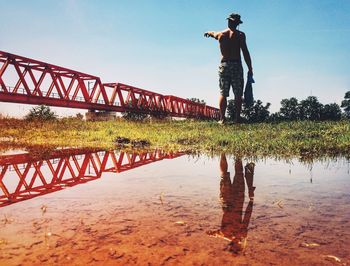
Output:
(28, 81)
(23, 176)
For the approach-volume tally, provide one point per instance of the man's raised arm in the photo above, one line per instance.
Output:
(213, 34)
(246, 54)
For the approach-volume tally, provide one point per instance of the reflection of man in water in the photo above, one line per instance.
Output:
(234, 225)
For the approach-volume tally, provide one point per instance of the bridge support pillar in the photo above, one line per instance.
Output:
(93, 115)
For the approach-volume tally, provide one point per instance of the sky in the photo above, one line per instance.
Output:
(298, 47)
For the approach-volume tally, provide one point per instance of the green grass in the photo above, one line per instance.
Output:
(283, 139)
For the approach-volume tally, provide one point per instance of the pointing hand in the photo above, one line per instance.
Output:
(208, 34)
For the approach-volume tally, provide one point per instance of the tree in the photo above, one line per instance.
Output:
(134, 115)
(345, 104)
(159, 116)
(331, 112)
(41, 112)
(253, 114)
(257, 112)
(196, 100)
(289, 109)
(310, 109)
(231, 110)
(79, 116)
(276, 117)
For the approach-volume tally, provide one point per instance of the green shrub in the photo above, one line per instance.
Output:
(42, 113)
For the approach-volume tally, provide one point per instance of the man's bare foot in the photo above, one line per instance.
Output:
(221, 122)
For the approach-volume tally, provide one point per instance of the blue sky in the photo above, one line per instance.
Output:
(298, 48)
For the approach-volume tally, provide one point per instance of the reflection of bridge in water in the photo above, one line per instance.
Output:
(24, 176)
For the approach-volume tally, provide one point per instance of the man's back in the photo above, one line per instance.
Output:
(230, 44)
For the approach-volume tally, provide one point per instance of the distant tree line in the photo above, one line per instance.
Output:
(196, 100)
(293, 110)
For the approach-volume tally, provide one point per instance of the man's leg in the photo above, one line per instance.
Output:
(238, 107)
(223, 164)
(224, 84)
(237, 85)
(249, 176)
(223, 105)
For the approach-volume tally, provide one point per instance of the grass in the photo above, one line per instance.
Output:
(286, 139)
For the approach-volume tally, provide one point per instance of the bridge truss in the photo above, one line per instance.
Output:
(28, 81)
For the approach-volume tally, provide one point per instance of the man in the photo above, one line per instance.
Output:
(232, 41)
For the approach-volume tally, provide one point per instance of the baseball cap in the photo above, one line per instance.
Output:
(235, 17)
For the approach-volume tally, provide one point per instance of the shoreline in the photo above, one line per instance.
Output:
(285, 139)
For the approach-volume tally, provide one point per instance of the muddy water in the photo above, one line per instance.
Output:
(112, 208)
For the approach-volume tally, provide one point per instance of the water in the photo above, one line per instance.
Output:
(76, 207)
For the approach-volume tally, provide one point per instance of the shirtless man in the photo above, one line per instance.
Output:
(232, 41)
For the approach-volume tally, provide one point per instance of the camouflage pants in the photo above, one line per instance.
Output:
(231, 74)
